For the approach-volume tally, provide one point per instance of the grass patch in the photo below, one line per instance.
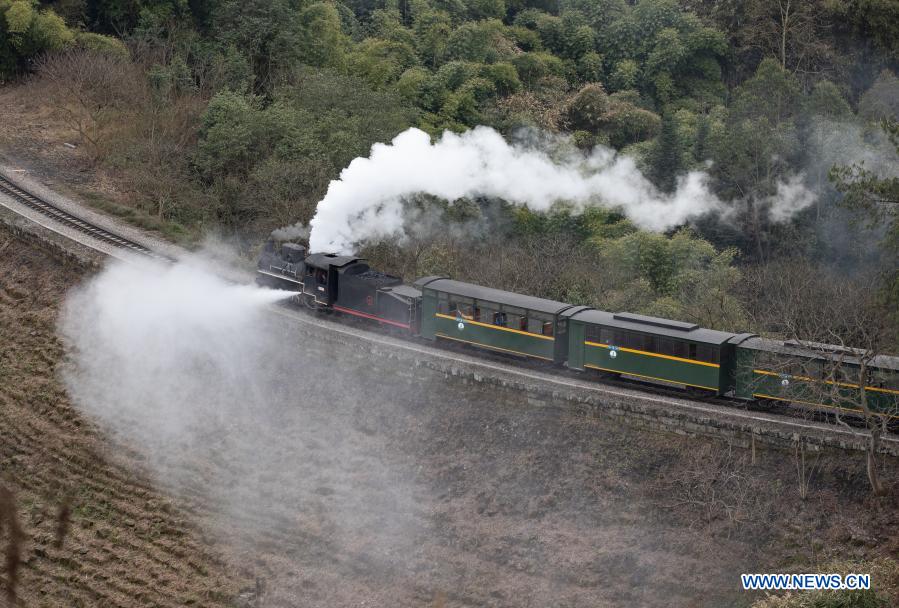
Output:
(170, 230)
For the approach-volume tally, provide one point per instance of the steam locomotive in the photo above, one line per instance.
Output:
(743, 367)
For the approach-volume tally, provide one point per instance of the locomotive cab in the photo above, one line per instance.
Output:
(321, 279)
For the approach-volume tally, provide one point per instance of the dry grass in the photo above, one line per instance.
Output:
(9, 522)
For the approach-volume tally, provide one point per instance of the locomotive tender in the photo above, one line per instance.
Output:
(742, 367)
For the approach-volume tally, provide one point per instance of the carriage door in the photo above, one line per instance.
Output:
(560, 347)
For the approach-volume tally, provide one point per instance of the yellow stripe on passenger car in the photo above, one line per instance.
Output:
(807, 379)
(491, 326)
(669, 381)
(659, 355)
(505, 350)
(821, 405)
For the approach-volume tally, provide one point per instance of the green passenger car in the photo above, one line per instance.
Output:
(651, 349)
(820, 376)
(494, 319)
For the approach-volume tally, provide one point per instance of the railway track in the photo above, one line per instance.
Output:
(71, 221)
(786, 419)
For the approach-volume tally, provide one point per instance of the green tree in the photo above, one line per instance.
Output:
(231, 136)
(432, 31)
(321, 41)
(480, 41)
(504, 77)
(758, 147)
(589, 67)
(826, 100)
(116, 17)
(881, 101)
(700, 145)
(486, 9)
(532, 67)
(25, 32)
(876, 198)
(666, 159)
(588, 110)
(626, 75)
(598, 14)
(265, 31)
(615, 118)
(677, 277)
(380, 62)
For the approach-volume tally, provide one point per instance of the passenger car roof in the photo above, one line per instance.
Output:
(653, 325)
(818, 350)
(404, 290)
(488, 294)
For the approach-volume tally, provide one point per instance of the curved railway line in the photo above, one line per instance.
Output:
(795, 424)
(67, 219)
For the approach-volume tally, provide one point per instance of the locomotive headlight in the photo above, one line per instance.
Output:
(461, 326)
(613, 353)
(785, 382)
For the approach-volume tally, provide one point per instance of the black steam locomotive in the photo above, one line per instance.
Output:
(344, 284)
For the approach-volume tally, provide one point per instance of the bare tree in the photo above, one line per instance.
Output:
(714, 483)
(794, 31)
(804, 471)
(91, 90)
(163, 136)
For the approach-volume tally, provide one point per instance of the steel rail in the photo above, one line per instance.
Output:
(71, 221)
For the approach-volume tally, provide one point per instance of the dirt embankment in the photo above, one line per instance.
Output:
(377, 490)
(125, 543)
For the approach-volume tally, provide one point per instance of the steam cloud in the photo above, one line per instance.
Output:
(221, 400)
(366, 203)
(791, 197)
(148, 339)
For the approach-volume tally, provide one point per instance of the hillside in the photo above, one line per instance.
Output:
(401, 496)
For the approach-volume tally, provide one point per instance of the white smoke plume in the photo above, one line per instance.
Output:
(366, 202)
(146, 334)
(297, 232)
(791, 197)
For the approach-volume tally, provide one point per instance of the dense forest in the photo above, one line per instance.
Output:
(236, 114)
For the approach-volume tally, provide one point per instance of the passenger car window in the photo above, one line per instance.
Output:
(485, 311)
(443, 306)
(462, 306)
(708, 353)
